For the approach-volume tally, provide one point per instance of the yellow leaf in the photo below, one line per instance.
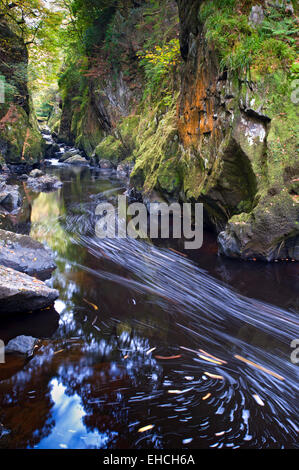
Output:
(146, 428)
(207, 396)
(213, 376)
(279, 377)
(209, 360)
(92, 305)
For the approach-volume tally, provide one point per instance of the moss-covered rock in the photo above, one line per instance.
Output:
(120, 145)
(157, 154)
(269, 232)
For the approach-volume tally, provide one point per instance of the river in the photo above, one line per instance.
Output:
(148, 346)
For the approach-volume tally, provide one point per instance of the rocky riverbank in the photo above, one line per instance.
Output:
(23, 263)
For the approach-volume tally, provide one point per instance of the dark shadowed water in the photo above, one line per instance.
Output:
(149, 346)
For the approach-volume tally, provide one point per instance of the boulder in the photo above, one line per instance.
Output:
(3, 178)
(124, 170)
(36, 173)
(26, 255)
(44, 183)
(270, 232)
(106, 165)
(21, 293)
(10, 198)
(70, 153)
(23, 177)
(76, 160)
(24, 345)
(134, 196)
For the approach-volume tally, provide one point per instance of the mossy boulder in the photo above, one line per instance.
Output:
(269, 232)
(110, 149)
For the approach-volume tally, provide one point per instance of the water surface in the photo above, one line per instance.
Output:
(148, 346)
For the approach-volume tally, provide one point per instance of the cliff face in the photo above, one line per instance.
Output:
(211, 136)
(233, 125)
(20, 139)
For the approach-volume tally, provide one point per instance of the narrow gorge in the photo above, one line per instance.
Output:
(140, 343)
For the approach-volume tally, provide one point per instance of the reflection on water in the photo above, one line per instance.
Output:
(146, 349)
(68, 415)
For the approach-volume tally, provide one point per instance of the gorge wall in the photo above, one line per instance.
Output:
(211, 131)
(20, 139)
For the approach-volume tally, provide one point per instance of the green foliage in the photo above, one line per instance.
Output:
(159, 63)
(242, 47)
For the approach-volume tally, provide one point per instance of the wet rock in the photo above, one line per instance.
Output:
(269, 233)
(24, 345)
(44, 183)
(228, 245)
(10, 198)
(26, 255)
(20, 169)
(21, 293)
(36, 174)
(106, 165)
(76, 160)
(70, 153)
(23, 177)
(3, 178)
(134, 196)
(124, 170)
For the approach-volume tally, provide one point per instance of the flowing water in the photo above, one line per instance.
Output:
(148, 346)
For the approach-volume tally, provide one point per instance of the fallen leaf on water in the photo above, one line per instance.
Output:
(213, 376)
(178, 252)
(91, 304)
(279, 377)
(146, 428)
(58, 352)
(210, 360)
(163, 358)
(178, 392)
(258, 400)
(150, 351)
(213, 357)
(207, 396)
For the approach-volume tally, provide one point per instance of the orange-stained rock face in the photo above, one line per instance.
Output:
(196, 107)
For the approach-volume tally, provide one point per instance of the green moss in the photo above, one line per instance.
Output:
(242, 47)
(168, 177)
(157, 152)
(110, 149)
(21, 139)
